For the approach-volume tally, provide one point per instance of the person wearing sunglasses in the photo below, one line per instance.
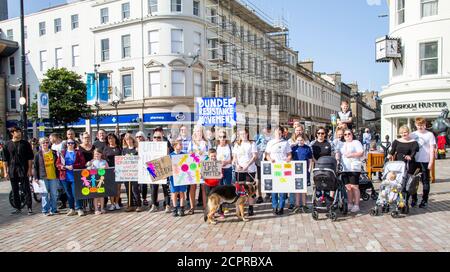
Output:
(351, 153)
(44, 167)
(69, 160)
(225, 155)
(154, 188)
(321, 146)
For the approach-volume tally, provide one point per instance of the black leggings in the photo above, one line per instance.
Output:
(154, 194)
(135, 196)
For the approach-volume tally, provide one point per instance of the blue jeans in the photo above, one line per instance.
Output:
(69, 188)
(227, 176)
(49, 199)
(292, 198)
(278, 200)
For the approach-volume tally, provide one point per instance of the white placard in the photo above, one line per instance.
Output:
(39, 186)
(284, 177)
(126, 168)
(149, 151)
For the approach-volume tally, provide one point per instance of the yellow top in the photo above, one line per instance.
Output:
(50, 165)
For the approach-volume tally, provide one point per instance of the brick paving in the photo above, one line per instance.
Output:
(421, 230)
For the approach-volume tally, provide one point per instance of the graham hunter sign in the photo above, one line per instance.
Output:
(421, 106)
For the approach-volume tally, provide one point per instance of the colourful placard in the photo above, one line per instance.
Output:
(186, 169)
(94, 183)
(160, 169)
(126, 168)
(284, 177)
(149, 151)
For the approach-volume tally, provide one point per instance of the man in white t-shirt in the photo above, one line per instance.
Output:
(425, 158)
(278, 150)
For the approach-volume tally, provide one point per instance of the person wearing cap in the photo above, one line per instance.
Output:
(18, 162)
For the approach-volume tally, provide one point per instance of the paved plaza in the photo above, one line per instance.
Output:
(422, 230)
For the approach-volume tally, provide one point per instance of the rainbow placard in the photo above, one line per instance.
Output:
(284, 177)
(186, 169)
(94, 183)
(149, 151)
(160, 169)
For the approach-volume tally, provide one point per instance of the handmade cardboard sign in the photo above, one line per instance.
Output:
(186, 169)
(149, 151)
(160, 169)
(212, 170)
(94, 183)
(284, 177)
(126, 168)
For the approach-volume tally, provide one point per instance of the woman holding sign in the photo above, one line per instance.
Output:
(351, 154)
(45, 169)
(245, 154)
(278, 150)
(199, 147)
(130, 149)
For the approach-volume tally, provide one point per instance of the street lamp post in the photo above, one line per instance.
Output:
(24, 81)
(115, 103)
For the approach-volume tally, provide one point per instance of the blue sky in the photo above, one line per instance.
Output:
(339, 35)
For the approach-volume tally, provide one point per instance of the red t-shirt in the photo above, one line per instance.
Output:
(212, 182)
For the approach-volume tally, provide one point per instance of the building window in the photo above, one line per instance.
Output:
(126, 46)
(155, 84)
(104, 17)
(74, 20)
(429, 58)
(177, 83)
(177, 41)
(197, 43)
(400, 11)
(198, 84)
(41, 28)
(153, 42)
(75, 55)
(127, 86)
(58, 58)
(175, 6)
(125, 10)
(196, 8)
(12, 100)
(10, 34)
(213, 16)
(43, 60)
(152, 6)
(429, 7)
(57, 25)
(12, 66)
(105, 49)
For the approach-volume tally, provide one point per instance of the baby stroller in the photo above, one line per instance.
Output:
(326, 180)
(391, 192)
(366, 183)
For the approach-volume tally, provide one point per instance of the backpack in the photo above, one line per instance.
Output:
(411, 183)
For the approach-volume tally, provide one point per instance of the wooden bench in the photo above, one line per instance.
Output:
(375, 163)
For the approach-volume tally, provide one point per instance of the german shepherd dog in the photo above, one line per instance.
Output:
(227, 194)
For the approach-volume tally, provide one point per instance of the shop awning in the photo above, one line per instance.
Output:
(7, 47)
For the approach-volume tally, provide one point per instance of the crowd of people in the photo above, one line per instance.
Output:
(54, 161)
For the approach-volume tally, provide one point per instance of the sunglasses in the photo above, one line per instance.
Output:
(347, 134)
(157, 137)
(222, 137)
(70, 143)
(320, 133)
(46, 142)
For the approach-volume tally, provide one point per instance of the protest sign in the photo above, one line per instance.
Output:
(212, 170)
(39, 187)
(284, 177)
(186, 169)
(215, 111)
(160, 169)
(126, 168)
(149, 151)
(94, 183)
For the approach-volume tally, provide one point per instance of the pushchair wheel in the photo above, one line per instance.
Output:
(394, 214)
(375, 196)
(366, 197)
(333, 216)
(315, 215)
(374, 212)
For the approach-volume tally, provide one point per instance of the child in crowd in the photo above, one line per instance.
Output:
(302, 152)
(344, 117)
(177, 191)
(211, 183)
(98, 163)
